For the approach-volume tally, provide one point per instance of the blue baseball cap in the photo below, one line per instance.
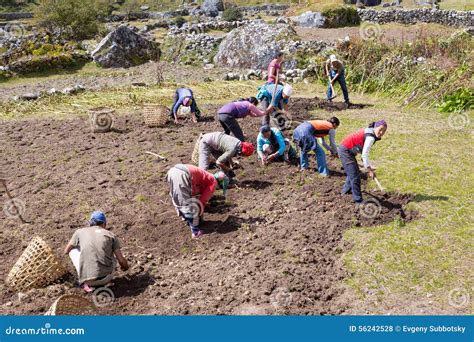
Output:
(97, 217)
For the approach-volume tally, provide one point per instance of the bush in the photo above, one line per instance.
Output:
(232, 14)
(462, 99)
(73, 18)
(179, 21)
(341, 16)
(56, 61)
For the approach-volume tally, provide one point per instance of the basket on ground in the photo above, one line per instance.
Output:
(195, 155)
(155, 115)
(101, 119)
(71, 305)
(38, 266)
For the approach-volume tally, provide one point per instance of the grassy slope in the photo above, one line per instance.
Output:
(420, 154)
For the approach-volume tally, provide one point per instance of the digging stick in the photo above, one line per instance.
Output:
(378, 184)
(156, 155)
(276, 86)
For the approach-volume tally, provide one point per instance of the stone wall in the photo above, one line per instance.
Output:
(425, 15)
(204, 26)
(15, 15)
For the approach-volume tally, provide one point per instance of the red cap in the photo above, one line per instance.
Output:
(247, 149)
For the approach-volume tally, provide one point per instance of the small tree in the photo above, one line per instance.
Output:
(179, 21)
(73, 18)
(232, 14)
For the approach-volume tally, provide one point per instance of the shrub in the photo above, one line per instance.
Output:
(73, 18)
(232, 14)
(179, 21)
(460, 100)
(341, 16)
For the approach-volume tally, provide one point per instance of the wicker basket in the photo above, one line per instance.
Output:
(155, 115)
(71, 305)
(38, 266)
(195, 155)
(101, 119)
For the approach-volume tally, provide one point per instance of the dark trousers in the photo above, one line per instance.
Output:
(230, 125)
(342, 82)
(266, 119)
(351, 168)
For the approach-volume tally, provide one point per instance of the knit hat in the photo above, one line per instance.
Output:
(264, 129)
(287, 90)
(380, 123)
(97, 217)
(187, 101)
(247, 148)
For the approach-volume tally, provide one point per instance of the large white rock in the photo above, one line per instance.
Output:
(124, 48)
(253, 46)
(309, 19)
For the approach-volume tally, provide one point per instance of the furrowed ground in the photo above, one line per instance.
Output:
(282, 242)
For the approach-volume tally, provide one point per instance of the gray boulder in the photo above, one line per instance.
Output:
(124, 48)
(211, 8)
(253, 46)
(309, 19)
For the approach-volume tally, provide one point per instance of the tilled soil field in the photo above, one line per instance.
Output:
(274, 246)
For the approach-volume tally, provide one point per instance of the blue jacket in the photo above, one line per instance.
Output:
(266, 91)
(276, 140)
(303, 136)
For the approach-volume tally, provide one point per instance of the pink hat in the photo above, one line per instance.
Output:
(187, 101)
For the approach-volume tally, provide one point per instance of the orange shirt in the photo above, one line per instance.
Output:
(321, 127)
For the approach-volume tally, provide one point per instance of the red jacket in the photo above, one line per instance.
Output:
(203, 183)
(355, 141)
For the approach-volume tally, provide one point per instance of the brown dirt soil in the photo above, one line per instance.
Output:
(274, 246)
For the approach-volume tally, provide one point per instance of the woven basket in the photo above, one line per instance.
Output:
(195, 155)
(101, 119)
(38, 266)
(71, 305)
(155, 115)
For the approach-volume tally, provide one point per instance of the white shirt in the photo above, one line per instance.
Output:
(369, 141)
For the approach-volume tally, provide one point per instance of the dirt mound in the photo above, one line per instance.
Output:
(273, 246)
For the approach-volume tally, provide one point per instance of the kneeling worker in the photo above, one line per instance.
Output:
(93, 251)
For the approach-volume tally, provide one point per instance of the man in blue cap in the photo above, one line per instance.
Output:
(94, 251)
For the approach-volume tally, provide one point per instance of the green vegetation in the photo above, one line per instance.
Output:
(74, 18)
(341, 16)
(179, 21)
(420, 72)
(232, 14)
(460, 100)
